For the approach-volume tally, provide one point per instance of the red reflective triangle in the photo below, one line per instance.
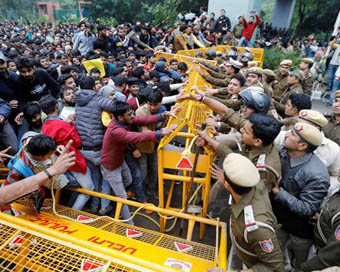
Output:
(83, 218)
(17, 241)
(133, 233)
(90, 266)
(184, 163)
(182, 247)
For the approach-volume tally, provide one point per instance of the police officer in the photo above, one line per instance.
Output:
(268, 78)
(294, 81)
(332, 129)
(254, 77)
(258, 134)
(280, 84)
(252, 223)
(230, 96)
(222, 79)
(304, 185)
(326, 237)
(305, 66)
(328, 151)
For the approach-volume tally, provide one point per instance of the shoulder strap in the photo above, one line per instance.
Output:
(237, 245)
(261, 224)
(335, 217)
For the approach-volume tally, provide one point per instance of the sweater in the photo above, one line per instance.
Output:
(249, 28)
(118, 137)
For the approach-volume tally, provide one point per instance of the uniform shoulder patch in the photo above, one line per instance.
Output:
(267, 245)
(337, 232)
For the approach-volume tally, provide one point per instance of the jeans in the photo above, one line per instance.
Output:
(93, 162)
(148, 166)
(336, 87)
(85, 182)
(137, 179)
(244, 41)
(106, 189)
(8, 137)
(331, 74)
(119, 179)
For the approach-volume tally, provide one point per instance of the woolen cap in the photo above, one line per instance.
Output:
(240, 170)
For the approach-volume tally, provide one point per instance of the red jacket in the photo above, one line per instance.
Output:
(62, 132)
(117, 138)
(249, 28)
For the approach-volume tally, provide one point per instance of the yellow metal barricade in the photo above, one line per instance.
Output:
(182, 58)
(258, 53)
(169, 169)
(46, 242)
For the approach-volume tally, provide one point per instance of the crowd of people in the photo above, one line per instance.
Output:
(111, 117)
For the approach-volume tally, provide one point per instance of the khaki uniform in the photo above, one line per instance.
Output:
(259, 249)
(268, 90)
(280, 106)
(231, 101)
(220, 75)
(231, 42)
(326, 237)
(237, 31)
(307, 83)
(280, 85)
(212, 67)
(270, 168)
(217, 81)
(332, 129)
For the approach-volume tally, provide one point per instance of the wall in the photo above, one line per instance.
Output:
(283, 13)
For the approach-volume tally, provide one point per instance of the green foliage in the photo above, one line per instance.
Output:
(314, 16)
(155, 11)
(273, 57)
(165, 13)
(107, 21)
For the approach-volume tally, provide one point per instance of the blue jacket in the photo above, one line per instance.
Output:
(304, 185)
(5, 108)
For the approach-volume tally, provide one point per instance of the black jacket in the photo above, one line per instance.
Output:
(41, 85)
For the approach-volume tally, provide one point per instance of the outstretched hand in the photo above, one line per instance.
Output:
(64, 161)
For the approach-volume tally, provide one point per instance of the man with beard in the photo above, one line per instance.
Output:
(32, 114)
(68, 99)
(35, 83)
(102, 42)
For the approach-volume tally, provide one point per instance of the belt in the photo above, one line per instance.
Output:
(96, 148)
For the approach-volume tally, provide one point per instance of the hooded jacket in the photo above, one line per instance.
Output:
(163, 75)
(89, 106)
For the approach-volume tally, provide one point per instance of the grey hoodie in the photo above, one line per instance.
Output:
(89, 106)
